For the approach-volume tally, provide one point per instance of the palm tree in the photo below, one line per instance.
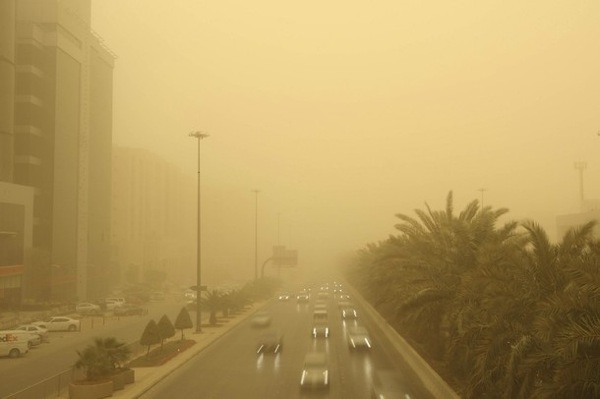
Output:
(102, 358)
(212, 301)
(559, 355)
(438, 249)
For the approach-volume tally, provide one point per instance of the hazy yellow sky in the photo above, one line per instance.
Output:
(346, 112)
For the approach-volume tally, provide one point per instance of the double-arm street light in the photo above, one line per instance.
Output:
(198, 135)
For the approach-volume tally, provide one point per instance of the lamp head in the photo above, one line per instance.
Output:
(198, 134)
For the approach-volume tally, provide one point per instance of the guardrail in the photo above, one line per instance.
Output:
(58, 385)
(51, 387)
(429, 378)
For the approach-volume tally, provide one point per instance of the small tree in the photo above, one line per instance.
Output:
(212, 302)
(150, 336)
(183, 320)
(165, 329)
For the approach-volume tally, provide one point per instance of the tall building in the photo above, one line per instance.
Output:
(153, 230)
(62, 146)
(16, 202)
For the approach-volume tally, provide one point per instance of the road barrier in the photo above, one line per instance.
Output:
(429, 378)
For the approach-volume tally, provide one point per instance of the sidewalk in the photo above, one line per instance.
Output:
(147, 377)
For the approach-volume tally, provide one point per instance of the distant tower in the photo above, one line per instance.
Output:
(580, 166)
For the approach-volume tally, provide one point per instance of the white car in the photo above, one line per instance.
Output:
(87, 308)
(42, 332)
(59, 323)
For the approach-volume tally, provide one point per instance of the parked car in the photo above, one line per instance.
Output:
(13, 343)
(42, 332)
(32, 339)
(129, 310)
(113, 302)
(87, 308)
(59, 323)
(315, 374)
(110, 304)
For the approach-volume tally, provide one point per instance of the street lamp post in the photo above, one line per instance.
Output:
(255, 191)
(198, 135)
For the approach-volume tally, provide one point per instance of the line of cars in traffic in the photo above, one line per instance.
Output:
(19, 340)
(315, 372)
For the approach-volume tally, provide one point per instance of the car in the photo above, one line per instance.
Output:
(129, 310)
(315, 374)
(59, 323)
(302, 297)
(320, 306)
(87, 308)
(320, 329)
(324, 295)
(349, 313)
(358, 338)
(284, 296)
(261, 319)
(387, 385)
(13, 343)
(320, 315)
(344, 297)
(344, 304)
(32, 339)
(113, 302)
(42, 332)
(270, 342)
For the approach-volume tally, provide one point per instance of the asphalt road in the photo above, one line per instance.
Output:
(230, 367)
(49, 359)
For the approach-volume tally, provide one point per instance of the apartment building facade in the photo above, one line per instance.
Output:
(59, 143)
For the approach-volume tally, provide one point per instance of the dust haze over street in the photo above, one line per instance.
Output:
(344, 113)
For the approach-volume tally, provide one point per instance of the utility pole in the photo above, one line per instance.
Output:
(198, 135)
(581, 166)
(256, 191)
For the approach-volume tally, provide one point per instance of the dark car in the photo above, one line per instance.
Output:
(269, 342)
(302, 297)
(358, 338)
(387, 385)
(129, 310)
(349, 313)
(315, 374)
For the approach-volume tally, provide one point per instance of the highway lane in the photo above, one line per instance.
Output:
(59, 354)
(230, 368)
